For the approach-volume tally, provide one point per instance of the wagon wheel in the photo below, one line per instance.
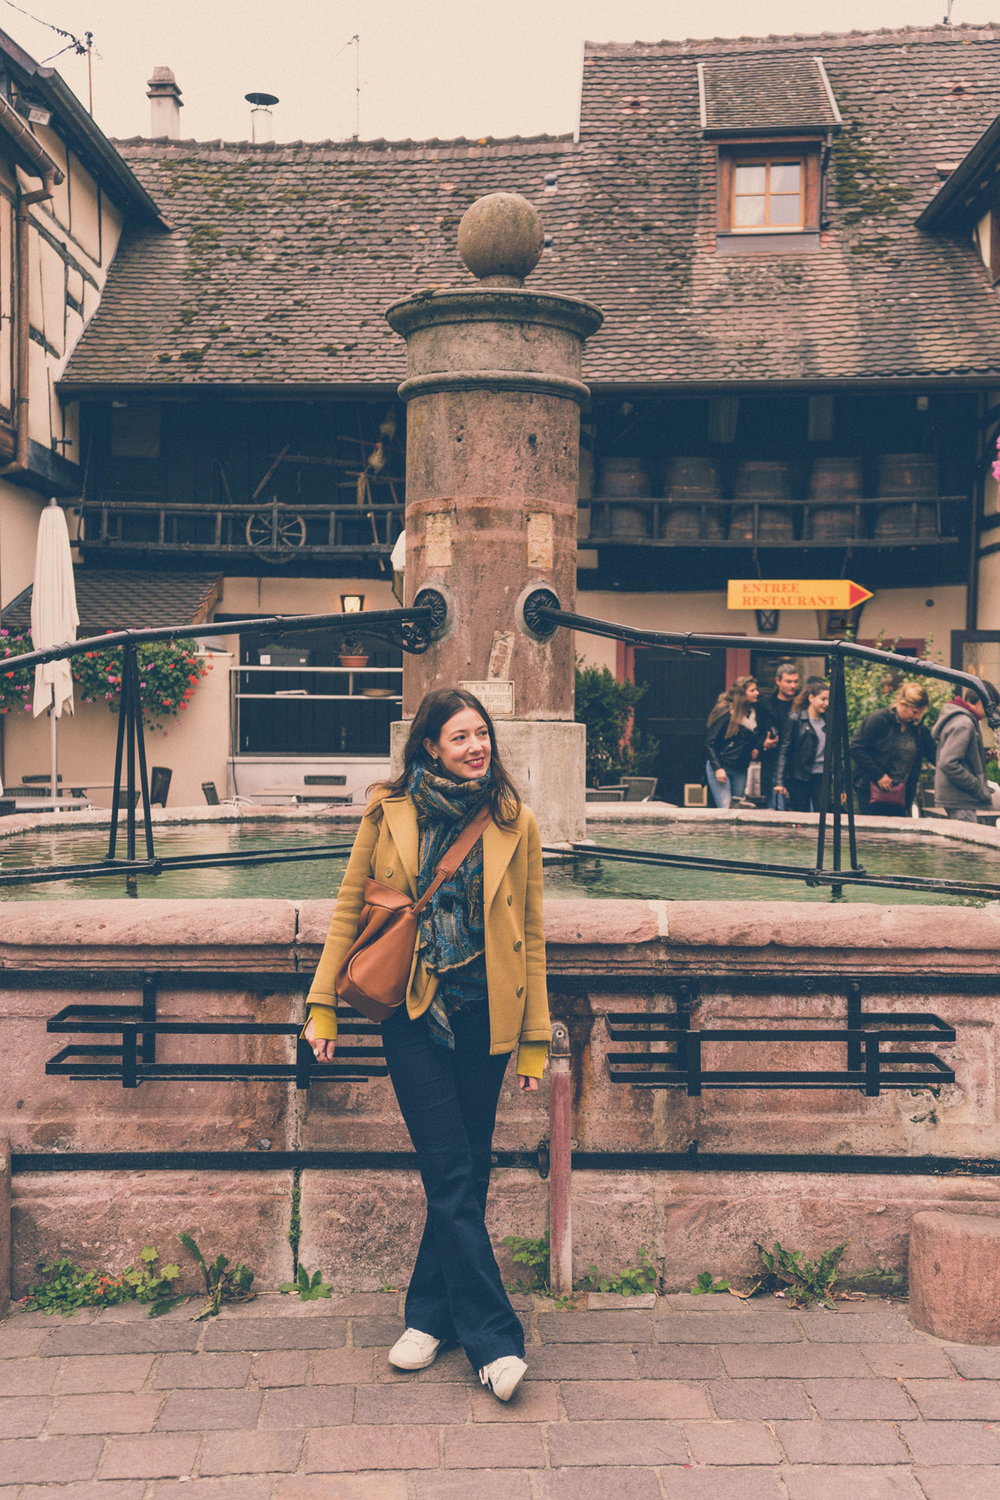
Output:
(275, 536)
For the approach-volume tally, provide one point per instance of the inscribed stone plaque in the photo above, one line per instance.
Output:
(497, 697)
(541, 539)
(437, 539)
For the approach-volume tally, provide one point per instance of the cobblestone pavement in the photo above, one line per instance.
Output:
(702, 1398)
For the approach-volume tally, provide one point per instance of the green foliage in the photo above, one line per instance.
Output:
(606, 707)
(308, 1290)
(169, 672)
(863, 186)
(534, 1254)
(633, 1281)
(706, 1283)
(63, 1287)
(223, 1283)
(864, 691)
(876, 1279)
(802, 1281)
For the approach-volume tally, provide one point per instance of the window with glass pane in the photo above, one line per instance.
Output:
(767, 195)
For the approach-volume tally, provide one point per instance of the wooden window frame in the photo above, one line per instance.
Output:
(744, 154)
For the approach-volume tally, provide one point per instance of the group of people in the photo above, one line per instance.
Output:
(787, 732)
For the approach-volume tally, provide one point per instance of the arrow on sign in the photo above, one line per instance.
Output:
(795, 593)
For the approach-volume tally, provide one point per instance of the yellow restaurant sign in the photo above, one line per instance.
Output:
(795, 593)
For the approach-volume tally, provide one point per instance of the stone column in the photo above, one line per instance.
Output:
(493, 391)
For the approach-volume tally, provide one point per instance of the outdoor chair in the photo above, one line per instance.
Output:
(639, 788)
(211, 795)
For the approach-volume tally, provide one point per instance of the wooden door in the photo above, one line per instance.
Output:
(680, 692)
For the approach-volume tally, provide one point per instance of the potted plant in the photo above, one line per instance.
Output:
(352, 652)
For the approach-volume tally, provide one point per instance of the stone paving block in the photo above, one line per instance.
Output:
(258, 1334)
(102, 1412)
(309, 1406)
(196, 1411)
(618, 1302)
(349, 1448)
(402, 1403)
(281, 1367)
(251, 1452)
(98, 1372)
(670, 1362)
(841, 1442)
(18, 1342)
(823, 1327)
(20, 1318)
(617, 1399)
(23, 1416)
(337, 1366)
(98, 1489)
(201, 1372)
(758, 1400)
(975, 1362)
(27, 1377)
(366, 1304)
(716, 1302)
(596, 1328)
(793, 1361)
(48, 1461)
(484, 1484)
(155, 1455)
(535, 1401)
(376, 1332)
(957, 1484)
(497, 1445)
(343, 1487)
(112, 1339)
(961, 1400)
(908, 1361)
(957, 1443)
(743, 1483)
(836, 1482)
(579, 1444)
(450, 1367)
(860, 1400)
(582, 1362)
(596, 1484)
(723, 1328)
(731, 1443)
(243, 1488)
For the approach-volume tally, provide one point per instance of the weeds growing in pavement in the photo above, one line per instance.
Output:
(308, 1290)
(802, 1281)
(63, 1287)
(223, 1283)
(534, 1255)
(706, 1283)
(633, 1281)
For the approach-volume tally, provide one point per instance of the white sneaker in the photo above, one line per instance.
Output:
(503, 1376)
(414, 1350)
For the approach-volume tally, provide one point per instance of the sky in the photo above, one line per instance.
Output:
(426, 68)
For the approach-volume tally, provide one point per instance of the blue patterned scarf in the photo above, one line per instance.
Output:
(452, 925)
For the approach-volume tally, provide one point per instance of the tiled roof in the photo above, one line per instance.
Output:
(787, 92)
(131, 599)
(284, 258)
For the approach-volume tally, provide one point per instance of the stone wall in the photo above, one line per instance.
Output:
(361, 1226)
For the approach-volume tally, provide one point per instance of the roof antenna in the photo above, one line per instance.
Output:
(947, 17)
(355, 42)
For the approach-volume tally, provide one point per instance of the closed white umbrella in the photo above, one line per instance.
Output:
(54, 621)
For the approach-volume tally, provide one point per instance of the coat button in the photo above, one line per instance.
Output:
(388, 871)
(518, 946)
(520, 991)
(510, 900)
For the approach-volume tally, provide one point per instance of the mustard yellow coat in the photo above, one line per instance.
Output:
(386, 848)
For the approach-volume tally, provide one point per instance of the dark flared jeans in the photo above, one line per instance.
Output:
(448, 1100)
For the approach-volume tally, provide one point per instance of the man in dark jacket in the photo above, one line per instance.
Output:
(960, 770)
(772, 716)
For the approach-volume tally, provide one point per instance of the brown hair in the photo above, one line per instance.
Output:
(814, 686)
(734, 703)
(436, 708)
(913, 693)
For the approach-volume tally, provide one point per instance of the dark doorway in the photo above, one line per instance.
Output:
(680, 692)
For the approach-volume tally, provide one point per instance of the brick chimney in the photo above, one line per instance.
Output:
(165, 105)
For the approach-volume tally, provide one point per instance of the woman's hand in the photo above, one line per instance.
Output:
(781, 790)
(886, 782)
(754, 753)
(323, 1051)
(525, 1084)
(721, 776)
(770, 739)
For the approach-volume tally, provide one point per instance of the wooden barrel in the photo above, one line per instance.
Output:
(619, 479)
(762, 480)
(691, 481)
(834, 479)
(907, 476)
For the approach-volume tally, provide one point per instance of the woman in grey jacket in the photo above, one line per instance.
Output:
(960, 768)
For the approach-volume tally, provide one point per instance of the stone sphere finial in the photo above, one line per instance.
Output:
(501, 238)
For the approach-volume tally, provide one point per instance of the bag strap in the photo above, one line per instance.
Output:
(454, 855)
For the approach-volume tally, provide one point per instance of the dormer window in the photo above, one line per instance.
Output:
(768, 194)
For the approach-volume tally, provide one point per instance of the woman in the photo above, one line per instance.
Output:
(887, 750)
(803, 749)
(733, 740)
(477, 989)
